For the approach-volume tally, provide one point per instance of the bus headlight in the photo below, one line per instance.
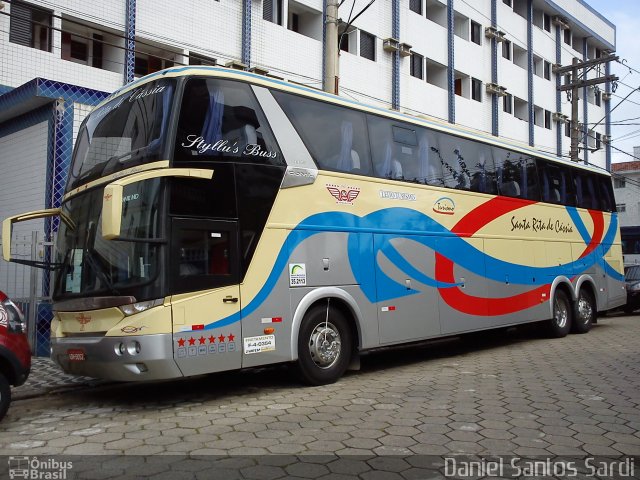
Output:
(138, 307)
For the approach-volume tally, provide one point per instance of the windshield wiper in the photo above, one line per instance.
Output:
(89, 255)
(95, 266)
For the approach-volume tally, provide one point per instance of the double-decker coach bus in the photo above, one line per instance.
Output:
(215, 220)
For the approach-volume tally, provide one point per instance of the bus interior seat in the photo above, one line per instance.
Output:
(510, 188)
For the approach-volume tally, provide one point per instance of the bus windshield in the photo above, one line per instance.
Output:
(125, 132)
(91, 265)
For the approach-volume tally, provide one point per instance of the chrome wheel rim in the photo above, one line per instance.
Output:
(585, 310)
(325, 345)
(561, 313)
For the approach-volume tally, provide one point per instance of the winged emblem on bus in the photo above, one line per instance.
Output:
(344, 194)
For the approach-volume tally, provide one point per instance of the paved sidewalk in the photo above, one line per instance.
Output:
(46, 377)
(512, 393)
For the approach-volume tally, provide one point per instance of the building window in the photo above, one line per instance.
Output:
(457, 86)
(598, 140)
(598, 97)
(567, 129)
(547, 70)
(272, 11)
(197, 59)
(567, 36)
(507, 3)
(476, 90)
(507, 103)
(506, 49)
(416, 69)
(146, 64)
(547, 119)
(416, 6)
(30, 26)
(367, 45)
(619, 182)
(546, 22)
(476, 30)
(74, 48)
(621, 207)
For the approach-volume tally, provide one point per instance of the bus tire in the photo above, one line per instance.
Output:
(324, 345)
(5, 395)
(560, 324)
(585, 312)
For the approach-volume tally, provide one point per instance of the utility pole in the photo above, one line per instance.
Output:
(574, 85)
(331, 62)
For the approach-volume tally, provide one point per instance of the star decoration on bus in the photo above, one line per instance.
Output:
(181, 342)
(202, 340)
(212, 339)
(192, 341)
(221, 338)
(231, 337)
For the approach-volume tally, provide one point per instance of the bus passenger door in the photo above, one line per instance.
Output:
(204, 276)
(407, 304)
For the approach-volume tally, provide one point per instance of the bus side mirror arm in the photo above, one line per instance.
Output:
(7, 230)
(113, 194)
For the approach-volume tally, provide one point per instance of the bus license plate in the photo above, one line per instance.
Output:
(76, 355)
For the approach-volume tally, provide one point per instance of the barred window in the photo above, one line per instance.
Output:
(416, 69)
(415, 6)
(367, 45)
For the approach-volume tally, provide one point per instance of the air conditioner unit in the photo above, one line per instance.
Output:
(561, 22)
(390, 45)
(560, 117)
(259, 70)
(236, 65)
(493, 32)
(405, 49)
(495, 89)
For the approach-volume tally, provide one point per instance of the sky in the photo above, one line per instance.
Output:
(625, 15)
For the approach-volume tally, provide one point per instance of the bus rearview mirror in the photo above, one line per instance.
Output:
(113, 195)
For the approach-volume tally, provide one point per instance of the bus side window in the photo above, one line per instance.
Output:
(607, 202)
(221, 119)
(335, 136)
(482, 170)
(555, 183)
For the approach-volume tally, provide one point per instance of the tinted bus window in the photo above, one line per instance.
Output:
(456, 155)
(482, 170)
(607, 200)
(555, 184)
(586, 189)
(516, 175)
(221, 120)
(403, 152)
(335, 136)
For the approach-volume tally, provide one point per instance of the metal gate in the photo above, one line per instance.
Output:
(30, 288)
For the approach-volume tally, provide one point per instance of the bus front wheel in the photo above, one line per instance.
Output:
(324, 345)
(560, 325)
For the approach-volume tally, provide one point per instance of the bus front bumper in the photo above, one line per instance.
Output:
(132, 358)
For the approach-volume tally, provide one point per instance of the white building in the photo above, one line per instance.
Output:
(484, 64)
(626, 187)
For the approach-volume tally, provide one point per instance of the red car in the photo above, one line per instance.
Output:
(15, 354)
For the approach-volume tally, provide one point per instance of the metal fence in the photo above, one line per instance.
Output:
(30, 287)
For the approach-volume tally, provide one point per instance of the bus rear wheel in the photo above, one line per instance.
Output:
(586, 312)
(560, 324)
(324, 345)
